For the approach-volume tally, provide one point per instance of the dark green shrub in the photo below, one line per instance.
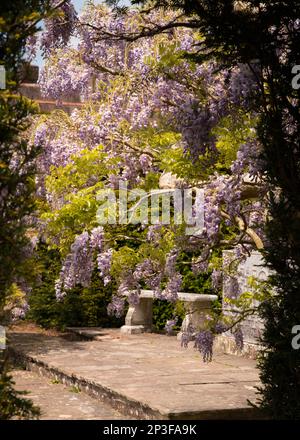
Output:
(80, 307)
(164, 311)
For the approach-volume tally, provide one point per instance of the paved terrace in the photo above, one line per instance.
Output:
(146, 376)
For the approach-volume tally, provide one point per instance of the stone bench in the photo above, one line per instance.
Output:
(139, 317)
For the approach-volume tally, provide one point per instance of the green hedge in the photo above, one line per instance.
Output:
(80, 307)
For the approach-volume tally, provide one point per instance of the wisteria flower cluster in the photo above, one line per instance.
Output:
(78, 265)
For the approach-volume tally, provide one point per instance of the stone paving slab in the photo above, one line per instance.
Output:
(146, 376)
(58, 402)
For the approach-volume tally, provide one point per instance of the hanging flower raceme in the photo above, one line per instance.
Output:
(78, 265)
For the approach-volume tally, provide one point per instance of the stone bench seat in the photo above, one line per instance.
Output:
(139, 316)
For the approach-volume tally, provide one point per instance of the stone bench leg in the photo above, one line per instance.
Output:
(139, 317)
(195, 317)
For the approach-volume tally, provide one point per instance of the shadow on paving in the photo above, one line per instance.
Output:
(43, 344)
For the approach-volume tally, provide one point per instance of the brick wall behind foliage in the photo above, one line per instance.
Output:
(31, 89)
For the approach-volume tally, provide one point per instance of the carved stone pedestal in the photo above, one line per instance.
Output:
(139, 316)
(197, 308)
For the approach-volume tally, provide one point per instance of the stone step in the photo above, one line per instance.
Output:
(144, 376)
(119, 402)
(70, 403)
(88, 333)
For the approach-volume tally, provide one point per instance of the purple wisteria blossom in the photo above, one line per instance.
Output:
(116, 306)
(96, 238)
(204, 344)
(170, 324)
(172, 288)
(217, 279)
(104, 264)
(239, 338)
(20, 311)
